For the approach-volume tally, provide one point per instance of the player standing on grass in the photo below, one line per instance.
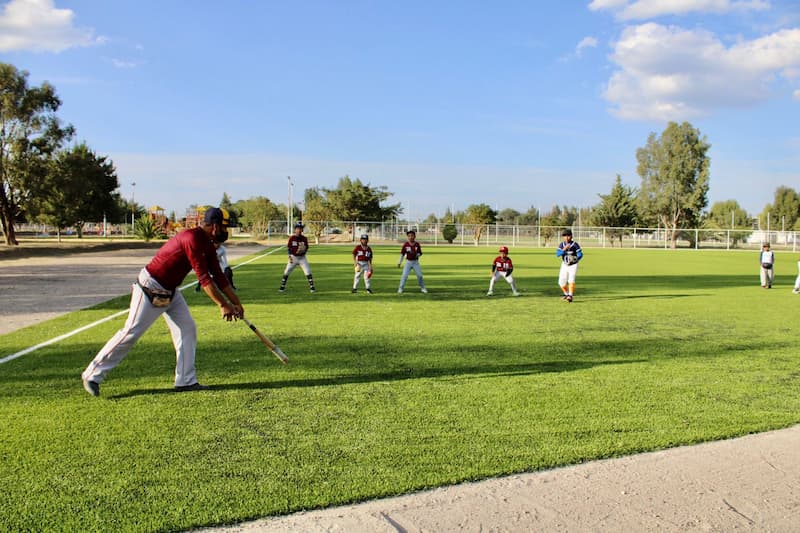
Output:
(297, 248)
(767, 260)
(570, 253)
(155, 293)
(502, 268)
(362, 264)
(411, 251)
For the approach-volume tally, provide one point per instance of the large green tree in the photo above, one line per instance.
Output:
(728, 214)
(784, 211)
(79, 187)
(255, 214)
(479, 215)
(616, 210)
(353, 201)
(30, 133)
(674, 168)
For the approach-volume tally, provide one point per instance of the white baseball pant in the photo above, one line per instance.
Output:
(141, 316)
(366, 270)
(567, 274)
(502, 275)
(294, 262)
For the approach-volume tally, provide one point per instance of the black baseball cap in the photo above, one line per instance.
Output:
(215, 215)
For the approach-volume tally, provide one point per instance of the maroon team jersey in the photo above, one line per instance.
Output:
(502, 264)
(189, 250)
(411, 251)
(362, 253)
(298, 245)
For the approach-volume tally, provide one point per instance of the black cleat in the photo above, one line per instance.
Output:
(354, 291)
(369, 291)
(92, 387)
(187, 388)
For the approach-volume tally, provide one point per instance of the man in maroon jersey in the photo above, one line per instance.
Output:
(362, 264)
(502, 267)
(297, 248)
(411, 251)
(155, 293)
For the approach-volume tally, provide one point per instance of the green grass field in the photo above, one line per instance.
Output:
(388, 394)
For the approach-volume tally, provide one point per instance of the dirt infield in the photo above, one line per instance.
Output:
(746, 484)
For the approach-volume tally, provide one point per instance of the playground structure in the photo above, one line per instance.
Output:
(157, 215)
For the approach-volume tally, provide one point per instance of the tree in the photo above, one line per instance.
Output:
(617, 209)
(353, 201)
(674, 169)
(784, 211)
(449, 232)
(317, 211)
(256, 213)
(508, 216)
(529, 217)
(79, 187)
(728, 214)
(479, 215)
(30, 133)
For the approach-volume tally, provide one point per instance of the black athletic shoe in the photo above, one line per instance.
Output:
(369, 291)
(187, 388)
(569, 298)
(92, 387)
(354, 291)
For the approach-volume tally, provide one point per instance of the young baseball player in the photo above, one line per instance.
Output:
(570, 253)
(767, 260)
(222, 258)
(362, 264)
(297, 248)
(502, 268)
(411, 251)
(155, 293)
(796, 289)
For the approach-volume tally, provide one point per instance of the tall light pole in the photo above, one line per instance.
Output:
(133, 206)
(289, 210)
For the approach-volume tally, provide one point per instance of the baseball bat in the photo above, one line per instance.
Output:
(268, 343)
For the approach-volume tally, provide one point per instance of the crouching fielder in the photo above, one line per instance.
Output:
(297, 248)
(570, 253)
(502, 268)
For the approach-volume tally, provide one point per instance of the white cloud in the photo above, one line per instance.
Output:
(796, 94)
(586, 42)
(669, 73)
(648, 9)
(39, 26)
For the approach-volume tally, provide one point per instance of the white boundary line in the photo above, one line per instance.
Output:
(54, 340)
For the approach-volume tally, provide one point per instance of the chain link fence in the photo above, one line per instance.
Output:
(484, 235)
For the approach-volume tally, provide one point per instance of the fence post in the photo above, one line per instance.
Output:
(728, 247)
(634, 238)
(696, 239)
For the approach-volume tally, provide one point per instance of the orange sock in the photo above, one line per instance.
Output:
(572, 288)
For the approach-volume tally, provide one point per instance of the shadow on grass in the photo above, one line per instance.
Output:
(402, 374)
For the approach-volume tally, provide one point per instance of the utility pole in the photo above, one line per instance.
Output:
(289, 210)
(133, 206)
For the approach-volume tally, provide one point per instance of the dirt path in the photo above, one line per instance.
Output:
(746, 484)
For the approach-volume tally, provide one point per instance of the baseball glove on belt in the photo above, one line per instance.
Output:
(766, 265)
(571, 259)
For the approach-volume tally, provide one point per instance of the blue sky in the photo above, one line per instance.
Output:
(513, 104)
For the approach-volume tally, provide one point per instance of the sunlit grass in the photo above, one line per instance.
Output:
(390, 393)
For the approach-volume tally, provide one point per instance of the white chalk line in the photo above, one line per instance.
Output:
(54, 340)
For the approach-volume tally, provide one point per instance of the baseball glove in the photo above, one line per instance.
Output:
(571, 259)
(357, 268)
(766, 265)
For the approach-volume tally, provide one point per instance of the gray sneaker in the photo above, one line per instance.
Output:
(92, 387)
